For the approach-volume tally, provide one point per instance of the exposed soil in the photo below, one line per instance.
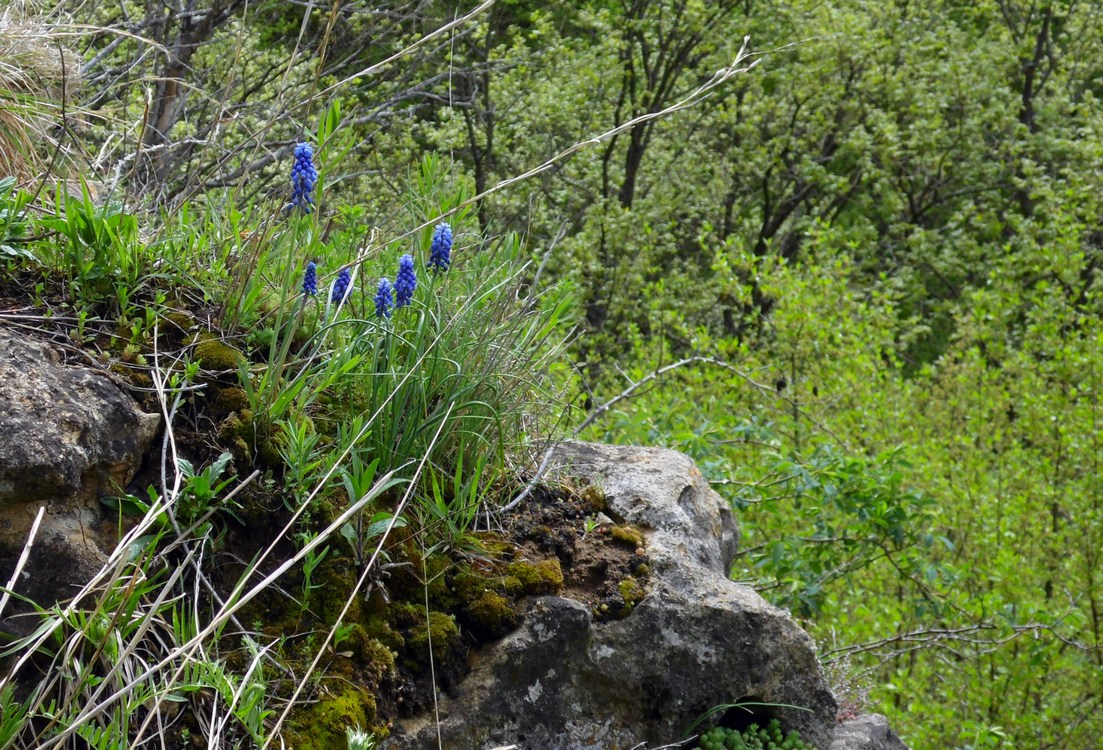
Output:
(595, 560)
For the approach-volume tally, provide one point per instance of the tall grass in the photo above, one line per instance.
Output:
(38, 74)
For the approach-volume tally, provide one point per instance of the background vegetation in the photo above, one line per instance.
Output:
(859, 283)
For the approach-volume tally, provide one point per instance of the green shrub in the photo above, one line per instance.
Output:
(752, 738)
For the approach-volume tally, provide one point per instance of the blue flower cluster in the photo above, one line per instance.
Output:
(341, 286)
(310, 279)
(384, 299)
(389, 296)
(303, 178)
(405, 282)
(440, 251)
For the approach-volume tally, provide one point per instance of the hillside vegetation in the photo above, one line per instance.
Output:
(845, 254)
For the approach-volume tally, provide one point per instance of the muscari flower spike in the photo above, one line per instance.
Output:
(310, 279)
(405, 282)
(440, 251)
(341, 286)
(383, 299)
(303, 177)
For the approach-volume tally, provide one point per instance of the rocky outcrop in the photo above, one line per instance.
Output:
(697, 640)
(70, 436)
(867, 732)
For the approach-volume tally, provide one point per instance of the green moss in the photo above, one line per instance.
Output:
(380, 658)
(230, 432)
(321, 725)
(268, 453)
(176, 324)
(371, 659)
(595, 498)
(335, 579)
(132, 375)
(491, 615)
(441, 629)
(249, 441)
(468, 585)
(627, 536)
(544, 577)
(215, 354)
(631, 591)
(182, 319)
(510, 585)
(495, 545)
(434, 571)
(385, 634)
(227, 400)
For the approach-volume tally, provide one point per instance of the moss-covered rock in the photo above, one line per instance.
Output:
(469, 584)
(230, 434)
(133, 375)
(215, 354)
(491, 616)
(544, 577)
(333, 582)
(227, 400)
(175, 326)
(439, 631)
(494, 544)
(595, 498)
(631, 591)
(368, 658)
(321, 725)
(385, 634)
(628, 536)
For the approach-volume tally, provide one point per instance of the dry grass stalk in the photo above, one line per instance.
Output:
(37, 76)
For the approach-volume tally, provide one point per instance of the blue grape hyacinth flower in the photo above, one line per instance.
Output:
(303, 178)
(310, 279)
(405, 282)
(384, 299)
(341, 286)
(440, 251)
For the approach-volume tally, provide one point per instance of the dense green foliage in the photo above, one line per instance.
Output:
(753, 737)
(876, 257)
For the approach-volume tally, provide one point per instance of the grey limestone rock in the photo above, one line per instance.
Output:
(698, 640)
(69, 436)
(866, 732)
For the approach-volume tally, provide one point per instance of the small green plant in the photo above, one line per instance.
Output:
(13, 223)
(752, 738)
(201, 489)
(97, 250)
(450, 512)
(359, 479)
(358, 739)
(13, 714)
(313, 559)
(302, 456)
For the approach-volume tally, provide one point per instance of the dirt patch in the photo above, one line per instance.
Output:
(605, 565)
